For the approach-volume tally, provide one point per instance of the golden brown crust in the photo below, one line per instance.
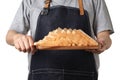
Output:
(67, 38)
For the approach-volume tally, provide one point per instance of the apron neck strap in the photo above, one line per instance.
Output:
(81, 7)
(47, 4)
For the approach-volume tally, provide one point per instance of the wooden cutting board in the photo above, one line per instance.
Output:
(66, 39)
(66, 47)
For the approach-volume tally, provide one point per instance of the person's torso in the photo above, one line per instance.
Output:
(38, 5)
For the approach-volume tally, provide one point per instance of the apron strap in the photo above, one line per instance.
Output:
(47, 5)
(81, 7)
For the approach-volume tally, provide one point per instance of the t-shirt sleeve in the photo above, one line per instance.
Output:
(102, 18)
(21, 20)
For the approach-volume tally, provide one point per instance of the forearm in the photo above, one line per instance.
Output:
(10, 37)
(104, 33)
(104, 41)
(21, 42)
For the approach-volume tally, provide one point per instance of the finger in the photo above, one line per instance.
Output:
(102, 45)
(92, 50)
(22, 46)
(102, 48)
(17, 46)
(33, 52)
(31, 43)
(26, 43)
(97, 51)
(101, 42)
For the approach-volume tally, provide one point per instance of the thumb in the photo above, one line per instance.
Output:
(101, 42)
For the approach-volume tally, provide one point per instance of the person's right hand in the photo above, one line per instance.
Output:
(24, 43)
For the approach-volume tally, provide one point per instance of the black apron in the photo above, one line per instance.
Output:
(62, 64)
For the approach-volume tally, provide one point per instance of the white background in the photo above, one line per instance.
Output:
(14, 65)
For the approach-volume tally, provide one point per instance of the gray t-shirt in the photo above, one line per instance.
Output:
(26, 17)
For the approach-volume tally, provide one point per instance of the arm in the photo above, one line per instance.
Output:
(16, 35)
(9, 37)
(104, 41)
(103, 26)
(21, 42)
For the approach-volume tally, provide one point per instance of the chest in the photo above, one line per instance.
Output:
(39, 4)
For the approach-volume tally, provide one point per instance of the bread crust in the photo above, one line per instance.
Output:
(67, 39)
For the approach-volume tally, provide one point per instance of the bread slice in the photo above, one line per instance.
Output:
(66, 39)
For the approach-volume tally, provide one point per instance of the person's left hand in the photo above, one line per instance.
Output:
(104, 41)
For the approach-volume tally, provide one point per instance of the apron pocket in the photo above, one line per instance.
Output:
(47, 74)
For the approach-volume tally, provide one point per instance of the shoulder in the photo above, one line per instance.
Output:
(28, 2)
(96, 2)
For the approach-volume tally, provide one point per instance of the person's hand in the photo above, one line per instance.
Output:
(104, 41)
(24, 43)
